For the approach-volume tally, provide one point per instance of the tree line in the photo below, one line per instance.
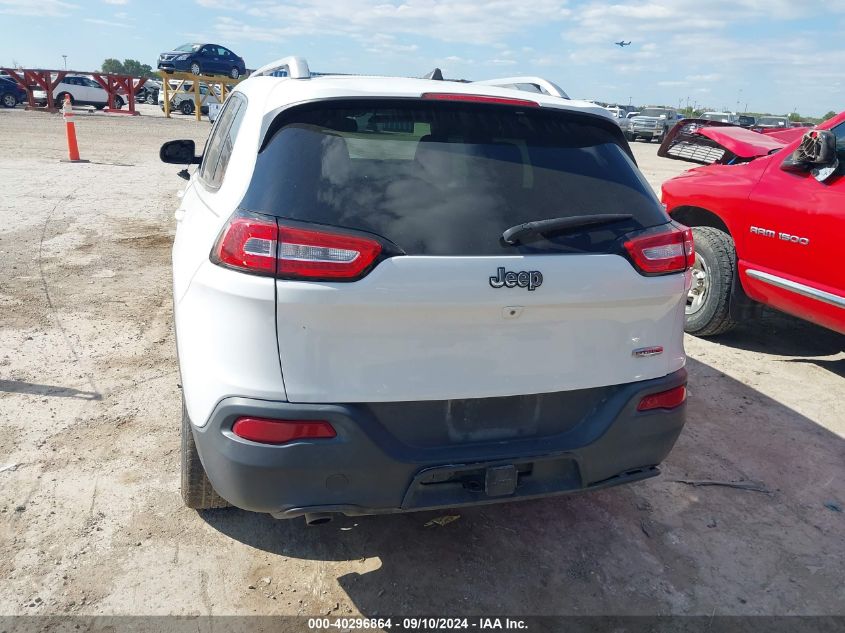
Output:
(128, 67)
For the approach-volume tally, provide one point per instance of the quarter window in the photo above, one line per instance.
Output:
(221, 141)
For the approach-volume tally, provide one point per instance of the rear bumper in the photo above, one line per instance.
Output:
(366, 469)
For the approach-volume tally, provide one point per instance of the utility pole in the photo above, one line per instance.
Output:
(65, 58)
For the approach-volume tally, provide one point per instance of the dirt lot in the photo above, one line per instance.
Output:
(90, 515)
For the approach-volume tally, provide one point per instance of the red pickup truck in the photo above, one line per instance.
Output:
(768, 218)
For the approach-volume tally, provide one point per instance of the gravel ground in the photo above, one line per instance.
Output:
(91, 521)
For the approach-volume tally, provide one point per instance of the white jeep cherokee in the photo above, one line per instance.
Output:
(401, 294)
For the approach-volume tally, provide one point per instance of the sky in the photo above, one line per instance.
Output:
(757, 55)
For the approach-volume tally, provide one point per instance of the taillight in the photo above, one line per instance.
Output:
(258, 244)
(270, 431)
(664, 400)
(450, 96)
(248, 243)
(317, 254)
(667, 249)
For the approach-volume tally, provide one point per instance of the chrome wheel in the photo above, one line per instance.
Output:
(195, 68)
(700, 285)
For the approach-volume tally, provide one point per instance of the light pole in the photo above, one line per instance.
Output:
(64, 57)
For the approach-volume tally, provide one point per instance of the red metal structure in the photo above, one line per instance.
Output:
(47, 80)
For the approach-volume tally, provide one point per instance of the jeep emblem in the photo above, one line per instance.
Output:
(530, 279)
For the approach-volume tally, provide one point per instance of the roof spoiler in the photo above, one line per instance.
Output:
(542, 85)
(293, 67)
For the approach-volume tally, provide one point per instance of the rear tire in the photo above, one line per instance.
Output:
(59, 100)
(234, 73)
(9, 100)
(195, 69)
(118, 102)
(708, 311)
(197, 491)
(187, 107)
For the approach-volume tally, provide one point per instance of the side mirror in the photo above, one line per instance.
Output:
(816, 153)
(180, 152)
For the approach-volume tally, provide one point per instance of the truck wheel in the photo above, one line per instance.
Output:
(708, 301)
(187, 107)
(197, 491)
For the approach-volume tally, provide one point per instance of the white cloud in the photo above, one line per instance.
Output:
(226, 5)
(444, 20)
(45, 8)
(116, 1)
(102, 22)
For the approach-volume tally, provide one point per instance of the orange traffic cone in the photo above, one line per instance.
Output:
(70, 128)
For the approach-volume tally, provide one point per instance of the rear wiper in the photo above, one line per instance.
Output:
(515, 234)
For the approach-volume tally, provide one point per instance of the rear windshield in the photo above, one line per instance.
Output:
(440, 178)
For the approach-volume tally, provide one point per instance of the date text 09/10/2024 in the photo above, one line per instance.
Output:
(416, 624)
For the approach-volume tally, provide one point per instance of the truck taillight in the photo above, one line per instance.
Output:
(258, 244)
(667, 249)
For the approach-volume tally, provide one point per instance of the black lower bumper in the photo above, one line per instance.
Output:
(370, 468)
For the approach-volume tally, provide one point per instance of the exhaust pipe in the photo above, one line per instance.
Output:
(317, 518)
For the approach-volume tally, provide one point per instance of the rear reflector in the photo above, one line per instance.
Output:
(668, 249)
(269, 431)
(448, 96)
(257, 244)
(664, 400)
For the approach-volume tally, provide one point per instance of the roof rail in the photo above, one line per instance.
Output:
(542, 85)
(293, 67)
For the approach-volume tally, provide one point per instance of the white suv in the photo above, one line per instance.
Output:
(400, 294)
(82, 90)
